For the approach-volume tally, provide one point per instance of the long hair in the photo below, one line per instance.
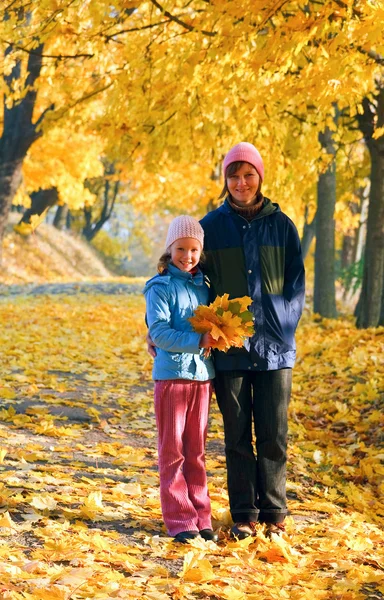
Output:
(231, 170)
(165, 259)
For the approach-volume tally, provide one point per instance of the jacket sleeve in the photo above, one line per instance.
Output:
(159, 324)
(294, 272)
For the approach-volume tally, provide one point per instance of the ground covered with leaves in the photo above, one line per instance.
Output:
(79, 498)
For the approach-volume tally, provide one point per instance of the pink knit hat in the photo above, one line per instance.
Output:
(183, 227)
(245, 152)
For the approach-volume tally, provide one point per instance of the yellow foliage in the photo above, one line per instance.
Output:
(89, 499)
(165, 90)
(107, 245)
(228, 321)
(26, 229)
(64, 159)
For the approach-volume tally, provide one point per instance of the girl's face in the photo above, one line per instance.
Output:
(185, 253)
(243, 185)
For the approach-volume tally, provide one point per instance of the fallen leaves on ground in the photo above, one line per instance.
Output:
(79, 500)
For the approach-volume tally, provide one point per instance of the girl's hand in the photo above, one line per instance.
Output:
(206, 340)
(151, 348)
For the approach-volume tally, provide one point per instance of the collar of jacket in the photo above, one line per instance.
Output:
(197, 279)
(268, 208)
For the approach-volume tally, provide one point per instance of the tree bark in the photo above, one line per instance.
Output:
(41, 201)
(308, 234)
(325, 292)
(10, 179)
(381, 320)
(60, 220)
(370, 303)
(19, 133)
(111, 189)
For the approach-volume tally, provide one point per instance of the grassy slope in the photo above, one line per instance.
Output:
(48, 255)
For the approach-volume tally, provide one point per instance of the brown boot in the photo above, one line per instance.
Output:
(276, 528)
(243, 530)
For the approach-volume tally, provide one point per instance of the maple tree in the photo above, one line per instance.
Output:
(371, 123)
(106, 189)
(324, 283)
(169, 87)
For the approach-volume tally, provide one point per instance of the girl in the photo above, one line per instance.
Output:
(182, 375)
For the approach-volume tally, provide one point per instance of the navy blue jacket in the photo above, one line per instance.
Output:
(261, 259)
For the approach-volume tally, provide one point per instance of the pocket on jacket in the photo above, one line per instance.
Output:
(280, 323)
(272, 260)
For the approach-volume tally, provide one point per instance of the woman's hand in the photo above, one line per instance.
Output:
(151, 348)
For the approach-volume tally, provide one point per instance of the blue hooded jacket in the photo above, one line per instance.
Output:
(171, 299)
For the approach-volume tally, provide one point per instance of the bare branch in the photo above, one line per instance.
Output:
(55, 56)
(179, 21)
(301, 119)
(113, 35)
(378, 58)
(84, 99)
(41, 118)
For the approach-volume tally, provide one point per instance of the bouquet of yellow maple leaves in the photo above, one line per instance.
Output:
(228, 321)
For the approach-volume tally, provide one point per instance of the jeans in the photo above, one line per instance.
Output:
(256, 484)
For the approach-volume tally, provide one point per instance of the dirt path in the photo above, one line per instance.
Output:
(78, 466)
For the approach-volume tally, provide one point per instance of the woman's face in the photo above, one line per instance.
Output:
(243, 185)
(185, 253)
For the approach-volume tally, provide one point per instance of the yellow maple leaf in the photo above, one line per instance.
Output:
(6, 521)
(3, 452)
(226, 320)
(220, 302)
(43, 502)
(196, 568)
(230, 319)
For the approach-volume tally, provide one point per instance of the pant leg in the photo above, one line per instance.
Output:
(234, 397)
(171, 405)
(271, 395)
(195, 435)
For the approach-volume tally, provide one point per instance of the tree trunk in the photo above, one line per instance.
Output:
(348, 249)
(381, 320)
(41, 201)
(10, 179)
(111, 189)
(324, 292)
(60, 219)
(360, 237)
(370, 302)
(308, 234)
(68, 223)
(19, 133)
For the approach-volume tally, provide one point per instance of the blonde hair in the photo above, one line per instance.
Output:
(163, 263)
(165, 259)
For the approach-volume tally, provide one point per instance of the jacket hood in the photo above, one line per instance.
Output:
(157, 279)
(268, 208)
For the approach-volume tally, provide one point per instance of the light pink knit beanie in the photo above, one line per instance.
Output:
(183, 227)
(247, 153)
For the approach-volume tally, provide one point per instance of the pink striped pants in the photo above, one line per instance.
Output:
(181, 408)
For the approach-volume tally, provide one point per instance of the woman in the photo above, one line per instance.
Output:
(252, 248)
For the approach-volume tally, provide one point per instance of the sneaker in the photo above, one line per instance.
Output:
(243, 530)
(276, 528)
